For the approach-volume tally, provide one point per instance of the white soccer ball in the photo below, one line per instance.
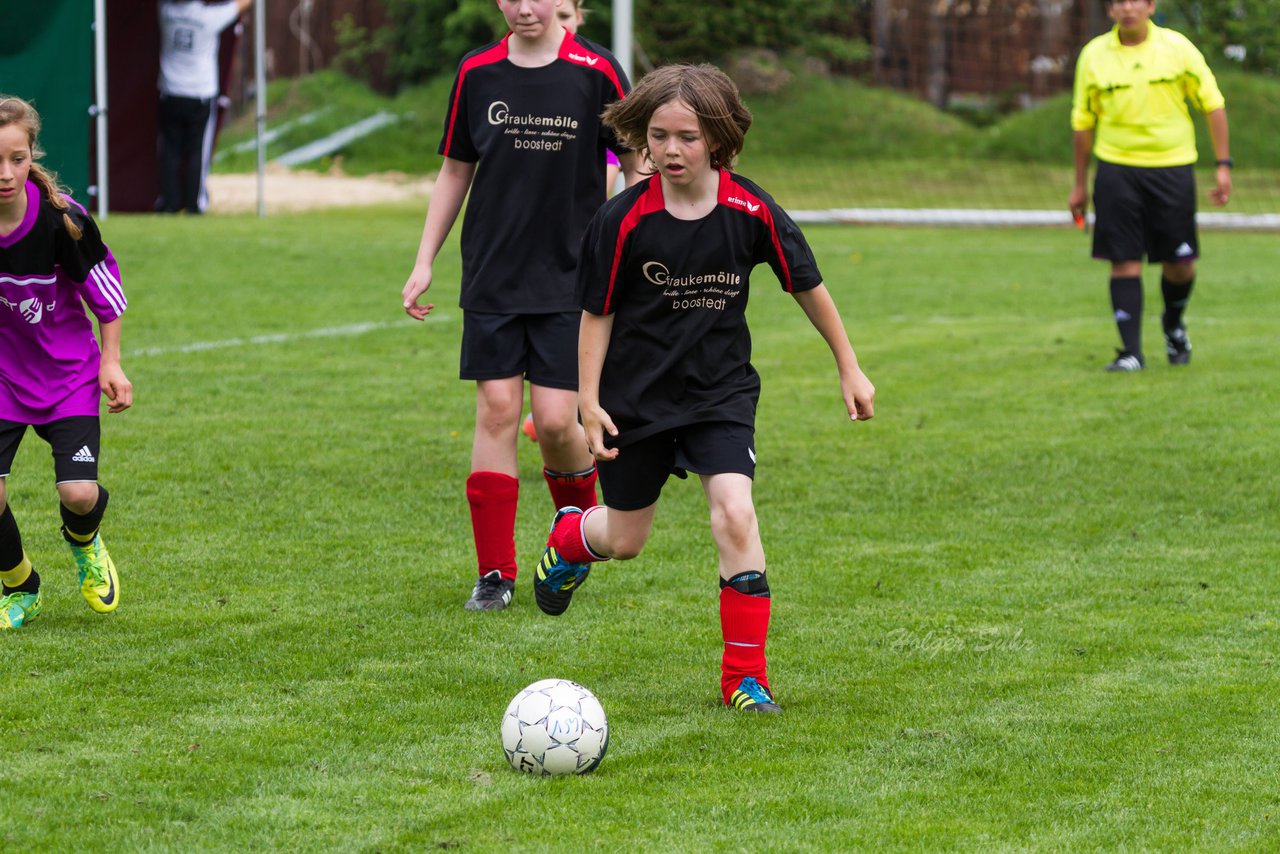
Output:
(555, 727)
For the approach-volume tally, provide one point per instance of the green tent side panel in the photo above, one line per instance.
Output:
(46, 57)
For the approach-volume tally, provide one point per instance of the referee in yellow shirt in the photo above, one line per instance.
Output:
(1130, 110)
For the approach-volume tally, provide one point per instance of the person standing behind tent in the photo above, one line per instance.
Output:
(190, 32)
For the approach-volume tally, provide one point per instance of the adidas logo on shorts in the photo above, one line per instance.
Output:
(84, 455)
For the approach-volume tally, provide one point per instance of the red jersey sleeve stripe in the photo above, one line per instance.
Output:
(571, 50)
(497, 53)
(734, 195)
(650, 201)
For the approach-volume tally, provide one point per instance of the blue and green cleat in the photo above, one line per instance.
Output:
(99, 584)
(555, 578)
(19, 608)
(751, 696)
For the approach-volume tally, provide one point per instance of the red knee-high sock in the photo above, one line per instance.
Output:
(572, 488)
(492, 496)
(568, 538)
(744, 623)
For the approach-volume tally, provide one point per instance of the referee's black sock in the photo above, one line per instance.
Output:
(1126, 299)
(1176, 297)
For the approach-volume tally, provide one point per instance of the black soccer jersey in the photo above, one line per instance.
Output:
(536, 137)
(680, 351)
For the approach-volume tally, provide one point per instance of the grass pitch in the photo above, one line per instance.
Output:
(1031, 605)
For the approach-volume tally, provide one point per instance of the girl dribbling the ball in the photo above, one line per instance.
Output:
(53, 263)
(665, 377)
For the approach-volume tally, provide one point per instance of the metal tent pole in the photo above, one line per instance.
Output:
(623, 35)
(260, 85)
(100, 98)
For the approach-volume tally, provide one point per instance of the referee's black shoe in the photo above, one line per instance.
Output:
(1126, 362)
(1177, 345)
(492, 592)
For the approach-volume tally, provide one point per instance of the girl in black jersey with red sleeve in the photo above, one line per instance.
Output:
(665, 377)
(523, 134)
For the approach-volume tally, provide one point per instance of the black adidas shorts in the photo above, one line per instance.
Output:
(1145, 211)
(74, 442)
(543, 348)
(635, 478)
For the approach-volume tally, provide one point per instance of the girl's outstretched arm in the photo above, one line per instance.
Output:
(858, 392)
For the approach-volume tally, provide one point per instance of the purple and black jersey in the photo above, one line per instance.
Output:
(49, 357)
(536, 137)
(680, 351)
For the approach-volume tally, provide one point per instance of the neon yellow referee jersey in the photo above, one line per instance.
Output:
(1135, 98)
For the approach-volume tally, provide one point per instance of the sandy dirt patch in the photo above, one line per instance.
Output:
(289, 190)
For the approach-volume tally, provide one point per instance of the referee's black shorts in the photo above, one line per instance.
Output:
(1145, 211)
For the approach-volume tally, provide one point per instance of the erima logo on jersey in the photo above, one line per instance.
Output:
(1183, 251)
(589, 60)
(84, 455)
(734, 200)
(32, 310)
(500, 114)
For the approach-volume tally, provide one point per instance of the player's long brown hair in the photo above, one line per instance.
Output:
(15, 111)
(704, 89)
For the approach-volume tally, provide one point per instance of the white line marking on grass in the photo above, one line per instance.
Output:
(280, 337)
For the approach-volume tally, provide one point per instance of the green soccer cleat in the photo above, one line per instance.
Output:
(98, 581)
(19, 608)
(555, 579)
(751, 696)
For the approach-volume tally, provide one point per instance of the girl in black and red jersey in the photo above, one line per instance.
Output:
(665, 377)
(523, 135)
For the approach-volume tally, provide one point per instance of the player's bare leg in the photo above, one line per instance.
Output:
(493, 491)
(579, 538)
(744, 593)
(568, 467)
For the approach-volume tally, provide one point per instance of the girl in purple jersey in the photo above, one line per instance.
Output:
(53, 263)
(665, 380)
(523, 143)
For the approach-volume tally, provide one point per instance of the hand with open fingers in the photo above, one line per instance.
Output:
(417, 285)
(859, 395)
(595, 423)
(116, 386)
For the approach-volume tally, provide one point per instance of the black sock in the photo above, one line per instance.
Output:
(31, 585)
(1176, 296)
(10, 540)
(748, 583)
(84, 527)
(1126, 299)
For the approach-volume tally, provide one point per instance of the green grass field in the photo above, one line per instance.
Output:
(1030, 606)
